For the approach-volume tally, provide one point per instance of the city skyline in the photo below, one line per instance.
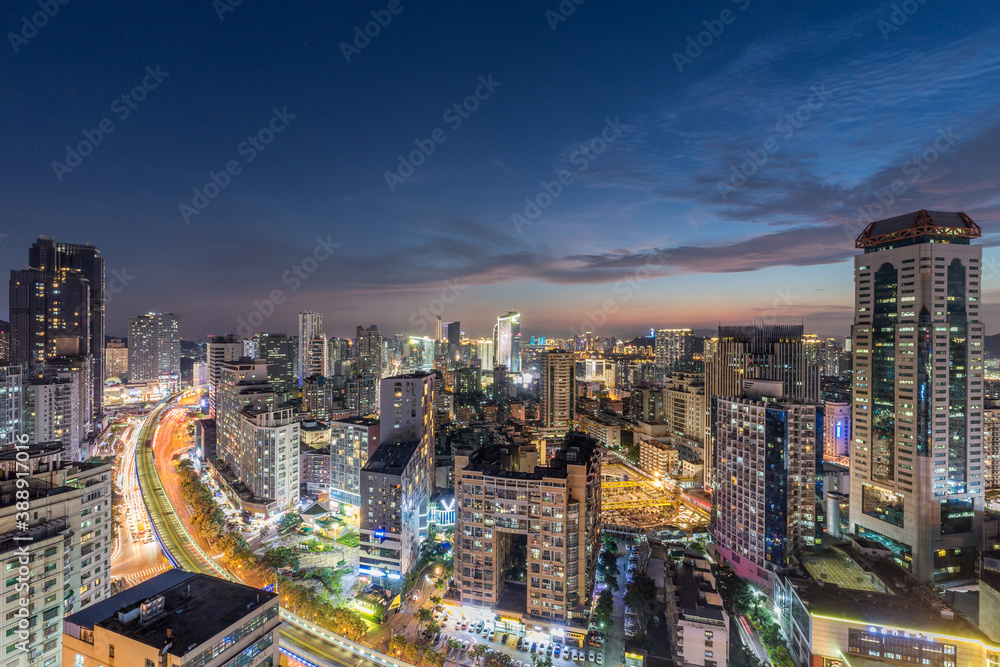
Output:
(816, 94)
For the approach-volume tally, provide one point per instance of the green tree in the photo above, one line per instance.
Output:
(640, 596)
(424, 616)
(604, 610)
(478, 651)
(280, 557)
(433, 628)
(289, 521)
(538, 660)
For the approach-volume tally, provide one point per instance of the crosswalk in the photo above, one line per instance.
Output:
(142, 575)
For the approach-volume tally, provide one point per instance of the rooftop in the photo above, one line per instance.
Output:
(196, 608)
(577, 449)
(916, 225)
(357, 421)
(391, 457)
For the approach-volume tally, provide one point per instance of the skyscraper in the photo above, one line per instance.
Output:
(49, 316)
(673, 349)
(507, 337)
(558, 389)
(11, 378)
(71, 312)
(316, 357)
(368, 352)
(281, 353)
(220, 349)
(242, 384)
(310, 327)
(116, 359)
(916, 472)
(758, 352)
(154, 348)
(767, 453)
(406, 412)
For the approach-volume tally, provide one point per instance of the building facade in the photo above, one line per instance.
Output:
(154, 345)
(310, 328)
(221, 349)
(917, 477)
(352, 441)
(269, 455)
(393, 494)
(557, 385)
(507, 342)
(673, 349)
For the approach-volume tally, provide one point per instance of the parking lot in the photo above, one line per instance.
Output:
(470, 632)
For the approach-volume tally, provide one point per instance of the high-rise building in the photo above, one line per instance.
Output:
(316, 358)
(154, 344)
(991, 447)
(552, 510)
(368, 352)
(116, 359)
(11, 378)
(352, 441)
(175, 618)
(281, 353)
(836, 430)
(310, 328)
(51, 412)
(673, 348)
(4, 342)
(916, 463)
(67, 536)
(420, 354)
(220, 350)
(394, 495)
(317, 397)
(757, 352)
(557, 382)
(57, 309)
(268, 445)
(686, 408)
(407, 413)
(507, 342)
(362, 395)
(767, 455)
(242, 384)
(452, 332)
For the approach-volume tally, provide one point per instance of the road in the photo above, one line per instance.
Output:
(752, 640)
(305, 649)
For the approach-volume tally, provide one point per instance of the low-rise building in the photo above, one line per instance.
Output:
(658, 458)
(698, 623)
(176, 618)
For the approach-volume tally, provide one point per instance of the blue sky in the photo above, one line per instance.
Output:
(653, 229)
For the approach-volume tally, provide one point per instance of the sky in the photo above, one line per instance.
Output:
(611, 167)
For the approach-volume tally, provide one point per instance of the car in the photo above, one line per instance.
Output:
(600, 658)
(485, 632)
(437, 638)
(558, 649)
(465, 624)
(590, 656)
(520, 641)
(566, 655)
(549, 649)
(503, 640)
(465, 645)
(534, 645)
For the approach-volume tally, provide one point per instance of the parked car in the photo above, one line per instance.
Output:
(566, 655)
(520, 641)
(503, 640)
(590, 656)
(534, 645)
(558, 649)
(600, 658)
(465, 645)
(576, 655)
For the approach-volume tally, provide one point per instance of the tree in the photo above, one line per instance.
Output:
(433, 628)
(280, 557)
(289, 521)
(538, 660)
(424, 616)
(454, 644)
(478, 651)
(640, 596)
(604, 610)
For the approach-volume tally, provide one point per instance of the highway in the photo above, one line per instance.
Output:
(301, 647)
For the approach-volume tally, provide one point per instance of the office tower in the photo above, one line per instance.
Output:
(176, 618)
(116, 359)
(316, 359)
(310, 328)
(268, 456)
(57, 308)
(453, 334)
(507, 342)
(485, 353)
(242, 384)
(420, 354)
(352, 441)
(362, 396)
(368, 352)
(991, 446)
(11, 378)
(154, 345)
(836, 430)
(760, 352)
(768, 451)
(394, 497)
(338, 357)
(220, 350)
(250, 347)
(916, 471)
(76, 370)
(557, 382)
(51, 412)
(68, 539)
(199, 374)
(406, 413)
(281, 354)
(550, 511)
(438, 328)
(673, 349)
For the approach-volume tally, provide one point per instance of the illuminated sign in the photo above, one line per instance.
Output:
(380, 534)
(446, 507)
(840, 430)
